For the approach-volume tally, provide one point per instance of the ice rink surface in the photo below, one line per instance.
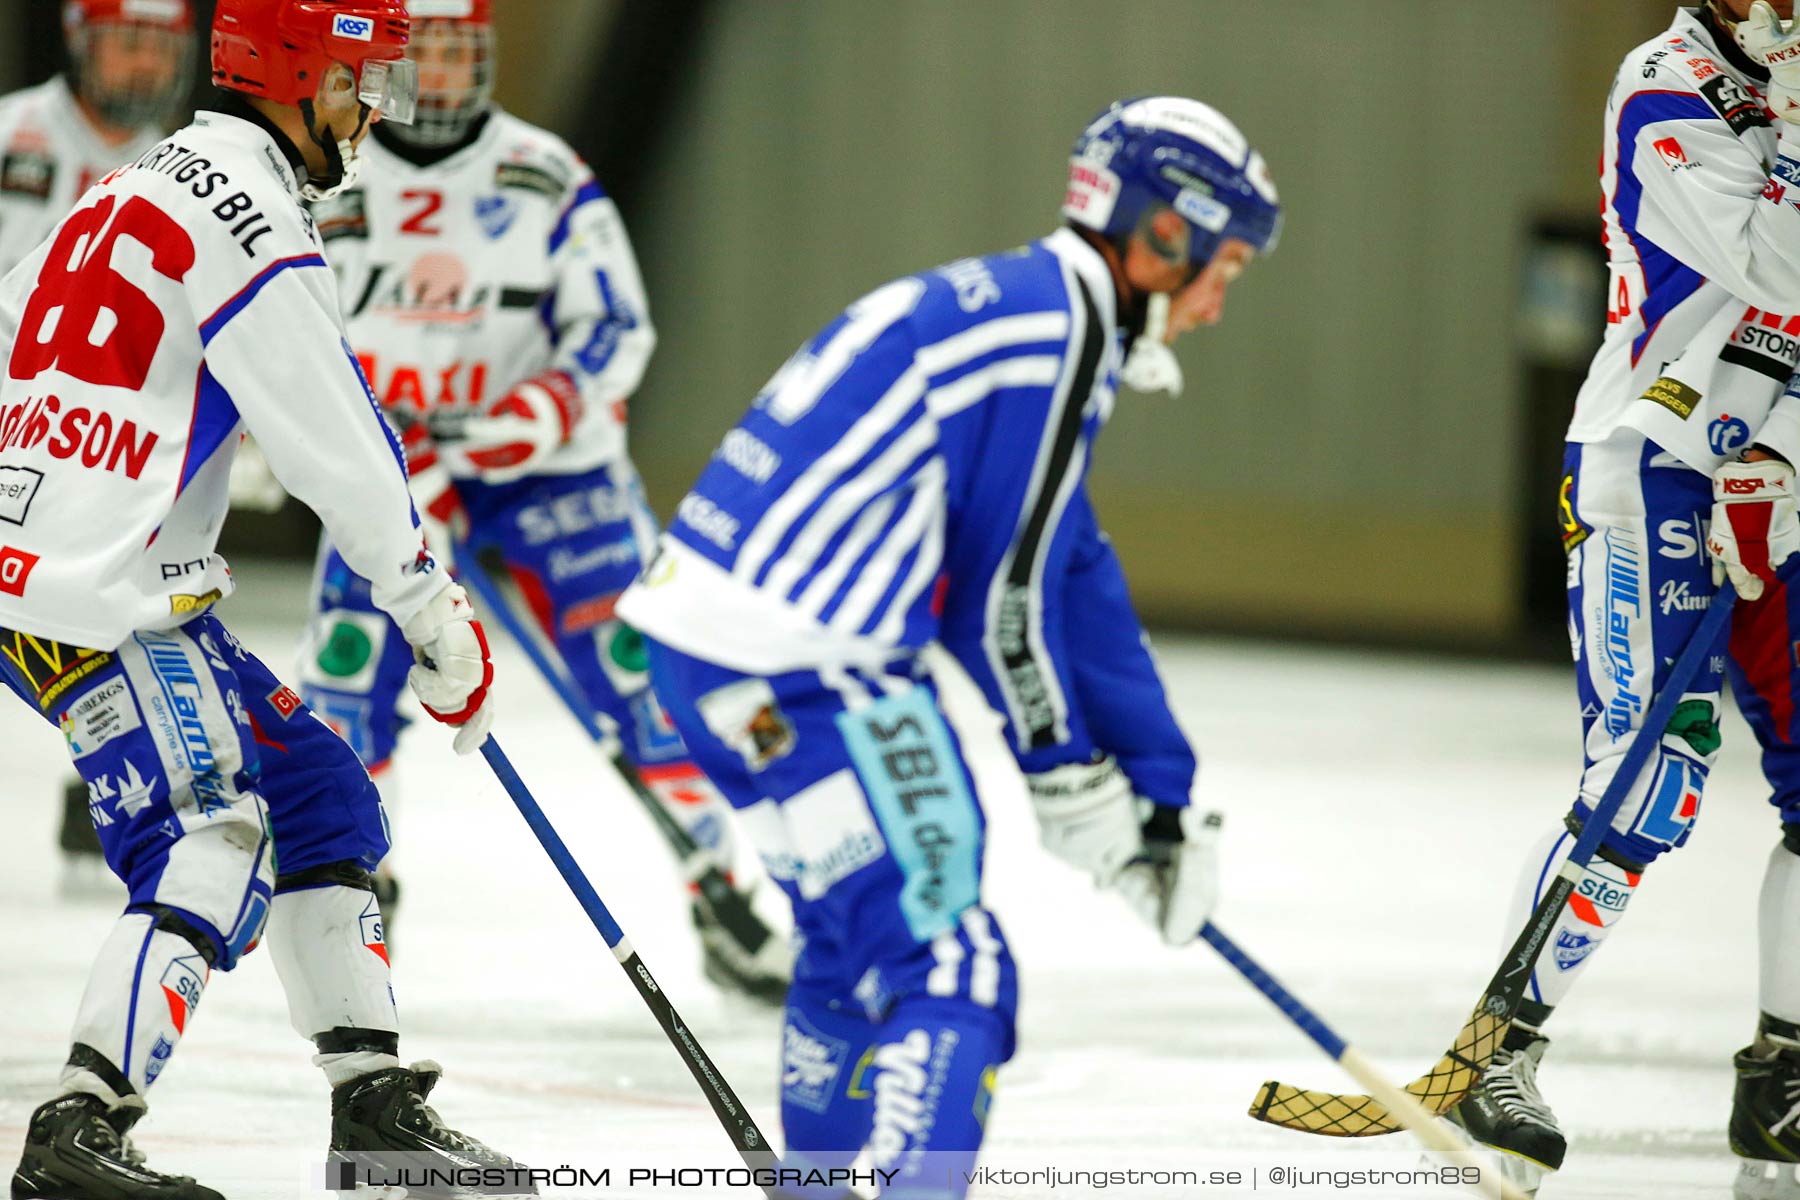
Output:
(1377, 809)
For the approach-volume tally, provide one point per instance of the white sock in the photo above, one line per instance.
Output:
(1598, 903)
(329, 952)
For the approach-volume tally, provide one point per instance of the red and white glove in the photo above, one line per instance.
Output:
(1755, 523)
(451, 669)
(442, 517)
(515, 436)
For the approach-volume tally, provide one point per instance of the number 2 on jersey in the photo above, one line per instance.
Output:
(103, 329)
(429, 203)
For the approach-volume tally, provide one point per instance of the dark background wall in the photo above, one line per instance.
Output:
(1367, 445)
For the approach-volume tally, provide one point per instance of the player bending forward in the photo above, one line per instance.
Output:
(915, 473)
(491, 293)
(1683, 413)
(183, 299)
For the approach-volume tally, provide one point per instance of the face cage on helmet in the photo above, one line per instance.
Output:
(136, 104)
(446, 115)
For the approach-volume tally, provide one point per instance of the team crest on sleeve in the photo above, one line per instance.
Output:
(745, 716)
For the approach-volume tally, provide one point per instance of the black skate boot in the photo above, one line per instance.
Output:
(1505, 1112)
(76, 1150)
(384, 1135)
(761, 972)
(1764, 1110)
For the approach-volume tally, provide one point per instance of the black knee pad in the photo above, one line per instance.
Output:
(84, 1057)
(345, 1040)
(172, 921)
(1790, 836)
(338, 874)
(1605, 852)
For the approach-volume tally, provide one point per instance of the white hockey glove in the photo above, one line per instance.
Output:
(452, 671)
(442, 518)
(1174, 884)
(1151, 366)
(253, 486)
(515, 436)
(1087, 816)
(1775, 45)
(1755, 523)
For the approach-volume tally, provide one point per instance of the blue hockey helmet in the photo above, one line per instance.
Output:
(1178, 152)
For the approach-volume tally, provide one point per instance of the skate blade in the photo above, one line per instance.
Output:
(1524, 1173)
(1764, 1179)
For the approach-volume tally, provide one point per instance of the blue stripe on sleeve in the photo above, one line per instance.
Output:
(241, 301)
(588, 193)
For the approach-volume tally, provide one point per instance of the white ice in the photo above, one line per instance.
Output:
(1377, 809)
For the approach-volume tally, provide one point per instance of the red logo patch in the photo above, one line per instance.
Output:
(1672, 152)
(284, 700)
(15, 569)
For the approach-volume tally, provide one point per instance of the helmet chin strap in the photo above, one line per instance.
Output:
(1151, 366)
(343, 165)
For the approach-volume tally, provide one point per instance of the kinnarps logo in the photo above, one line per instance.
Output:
(357, 29)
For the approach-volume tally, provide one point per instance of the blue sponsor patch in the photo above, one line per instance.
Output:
(159, 1058)
(909, 767)
(1572, 949)
(810, 1064)
(357, 29)
(657, 738)
(1727, 435)
(496, 214)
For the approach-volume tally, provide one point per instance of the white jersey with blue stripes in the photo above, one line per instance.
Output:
(184, 299)
(1701, 209)
(463, 276)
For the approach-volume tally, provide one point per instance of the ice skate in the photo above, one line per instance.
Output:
(1765, 1108)
(383, 1129)
(75, 1149)
(761, 974)
(1506, 1113)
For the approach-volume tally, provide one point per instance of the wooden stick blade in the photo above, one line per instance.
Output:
(1338, 1114)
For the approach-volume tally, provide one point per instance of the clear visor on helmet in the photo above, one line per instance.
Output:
(392, 86)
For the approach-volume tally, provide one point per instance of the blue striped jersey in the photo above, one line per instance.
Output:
(916, 473)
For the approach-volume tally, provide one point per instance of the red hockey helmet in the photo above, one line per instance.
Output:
(453, 45)
(172, 14)
(281, 49)
(131, 61)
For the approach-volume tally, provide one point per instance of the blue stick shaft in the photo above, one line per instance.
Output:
(475, 575)
(1290, 1005)
(553, 844)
